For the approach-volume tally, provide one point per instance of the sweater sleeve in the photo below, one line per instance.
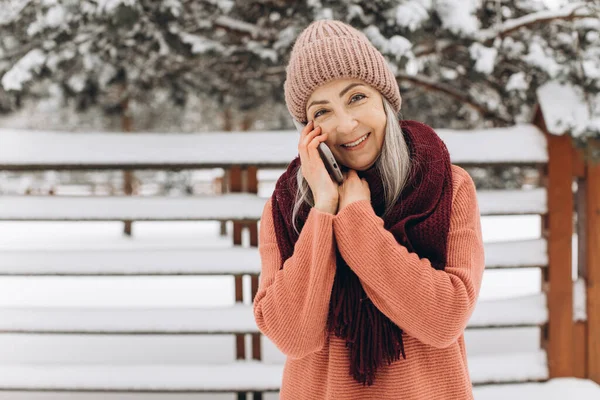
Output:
(292, 304)
(430, 305)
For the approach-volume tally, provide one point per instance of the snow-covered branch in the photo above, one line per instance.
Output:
(431, 85)
(567, 13)
(232, 24)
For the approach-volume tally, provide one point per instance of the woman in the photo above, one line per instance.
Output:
(366, 286)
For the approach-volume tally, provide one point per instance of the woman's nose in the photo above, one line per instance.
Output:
(346, 124)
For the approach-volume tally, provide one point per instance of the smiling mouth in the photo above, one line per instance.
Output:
(362, 139)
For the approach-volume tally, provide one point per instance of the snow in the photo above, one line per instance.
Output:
(285, 38)
(458, 16)
(200, 44)
(412, 14)
(230, 206)
(554, 389)
(109, 6)
(174, 6)
(512, 312)
(21, 72)
(205, 261)
(238, 25)
(565, 109)
(496, 202)
(220, 257)
(275, 149)
(261, 51)
(591, 69)
(537, 57)
(77, 82)
(235, 319)
(495, 145)
(485, 58)
(56, 16)
(249, 375)
(397, 46)
(579, 300)
(575, 8)
(191, 304)
(508, 367)
(225, 5)
(236, 206)
(517, 311)
(11, 10)
(514, 254)
(517, 81)
(356, 11)
(149, 353)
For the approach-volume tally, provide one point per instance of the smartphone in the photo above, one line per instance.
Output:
(329, 160)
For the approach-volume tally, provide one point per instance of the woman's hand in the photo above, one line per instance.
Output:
(324, 189)
(353, 189)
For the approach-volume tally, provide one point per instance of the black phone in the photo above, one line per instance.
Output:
(329, 160)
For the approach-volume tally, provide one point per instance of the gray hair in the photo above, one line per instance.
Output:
(393, 165)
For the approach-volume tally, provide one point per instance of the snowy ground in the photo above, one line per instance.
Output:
(212, 291)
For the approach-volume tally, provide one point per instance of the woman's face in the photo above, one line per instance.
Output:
(349, 109)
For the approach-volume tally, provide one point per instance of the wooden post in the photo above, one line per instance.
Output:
(227, 126)
(252, 187)
(235, 184)
(580, 327)
(127, 126)
(560, 282)
(593, 267)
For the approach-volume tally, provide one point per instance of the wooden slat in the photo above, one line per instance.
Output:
(516, 254)
(249, 375)
(243, 207)
(234, 260)
(239, 376)
(508, 368)
(512, 202)
(560, 232)
(232, 206)
(526, 311)
(217, 320)
(593, 268)
(211, 261)
(34, 150)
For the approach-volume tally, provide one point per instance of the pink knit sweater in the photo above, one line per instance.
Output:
(431, 306)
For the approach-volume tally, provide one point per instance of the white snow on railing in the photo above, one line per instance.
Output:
(266, 148)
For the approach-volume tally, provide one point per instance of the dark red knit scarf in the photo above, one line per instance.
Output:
(420, 221)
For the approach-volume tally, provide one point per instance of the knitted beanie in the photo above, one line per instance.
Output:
(328, 50)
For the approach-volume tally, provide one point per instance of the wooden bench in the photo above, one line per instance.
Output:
(241, 155)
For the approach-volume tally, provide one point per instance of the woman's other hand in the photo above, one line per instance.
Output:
(353, 189)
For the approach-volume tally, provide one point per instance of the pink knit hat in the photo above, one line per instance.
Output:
(328, 50)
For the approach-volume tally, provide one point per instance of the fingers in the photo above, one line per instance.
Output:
(310, 139)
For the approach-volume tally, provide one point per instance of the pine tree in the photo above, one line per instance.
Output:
(460, 64)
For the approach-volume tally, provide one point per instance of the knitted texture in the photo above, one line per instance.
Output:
(328, 50)
(419, 221)
(291, 305)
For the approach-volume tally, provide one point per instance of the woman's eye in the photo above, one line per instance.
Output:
(357, 97)
(317, 114)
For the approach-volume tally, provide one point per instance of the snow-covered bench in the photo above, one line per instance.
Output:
(235, 152)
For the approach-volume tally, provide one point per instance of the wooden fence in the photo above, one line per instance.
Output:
(570, 347)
